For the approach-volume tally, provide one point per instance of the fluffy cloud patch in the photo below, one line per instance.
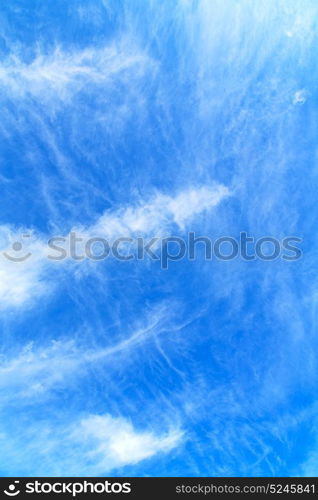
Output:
(115, 443)
(93, 445)
(63, 72)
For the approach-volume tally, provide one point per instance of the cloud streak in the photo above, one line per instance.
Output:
(22, 282)
(61, 73)
(37, 370)
(91, 445)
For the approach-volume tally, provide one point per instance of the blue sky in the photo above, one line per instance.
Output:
(145, 118)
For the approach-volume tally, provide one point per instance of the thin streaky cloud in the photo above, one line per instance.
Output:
(88, 445)
(63, 71)
(23, 282)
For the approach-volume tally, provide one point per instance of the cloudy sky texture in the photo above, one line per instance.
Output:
(148, 118)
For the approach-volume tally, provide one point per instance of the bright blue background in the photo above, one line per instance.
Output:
(223, 92)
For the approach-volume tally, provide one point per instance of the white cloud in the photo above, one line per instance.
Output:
(190, 203)
(62, 71)
(34, 371)
(300, 97)
(22, 282)
(114, 442)
(157, 216)
(71, 445)
(309, 467)
(82, 446)
(38, 369)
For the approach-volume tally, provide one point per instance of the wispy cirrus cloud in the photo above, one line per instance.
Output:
(117, 443)
(43, 367)
(23, 282)
(162, 100)
(86, 445)
(63, 72)
(159, 213)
